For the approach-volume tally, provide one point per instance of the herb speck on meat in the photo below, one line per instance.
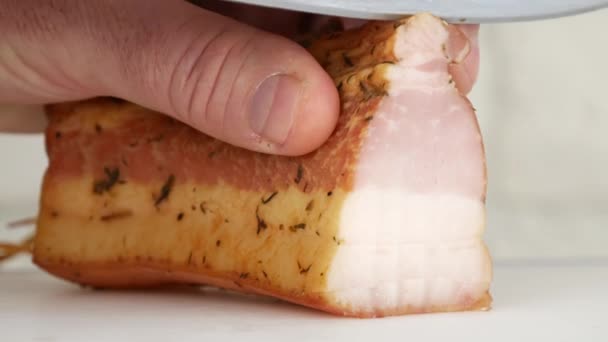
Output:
(165, 190)
(267, 200)
(298, 226)
(103, 185)
(299, 174)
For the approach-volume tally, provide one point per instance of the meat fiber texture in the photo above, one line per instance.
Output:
(386, 218)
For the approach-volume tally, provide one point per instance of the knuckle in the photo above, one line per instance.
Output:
(203, 76)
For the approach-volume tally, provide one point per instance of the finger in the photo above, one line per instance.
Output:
(283, 22)
(22, 119)
(287, 23)
(465, 53)
(236, 83)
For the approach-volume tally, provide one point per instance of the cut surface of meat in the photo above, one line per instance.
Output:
(386, 218)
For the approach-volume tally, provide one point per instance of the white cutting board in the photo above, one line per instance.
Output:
(532, 303)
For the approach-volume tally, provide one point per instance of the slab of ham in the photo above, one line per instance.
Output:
(386, 218)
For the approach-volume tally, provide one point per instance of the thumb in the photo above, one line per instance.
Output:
(241, 85)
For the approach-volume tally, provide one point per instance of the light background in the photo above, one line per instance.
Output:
(542, 101)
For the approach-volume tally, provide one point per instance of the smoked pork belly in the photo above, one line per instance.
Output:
(385, 218)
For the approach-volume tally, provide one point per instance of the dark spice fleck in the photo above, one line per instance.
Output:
(98, 128)
(304, 270)
(211, 154)
(369, 118)
(204, 259)
(124, 161)
(305, 187)
(310, 205)
(299, 174)
(165, 190)
(106, 184)
(58, 135)
(226, 221)
(317, 232)
(218, 243)
(322, 274)
(281, 227)
(54, 213)
(265, 275)
(190, 258)
(194, 189)
(297, 226)
(119, 214)
(203, 207)
(180, 216)
(244, 275)
(267, 200)
(261, 223)
(330, 193)
(193, 207)
(237, 284)
(347, 60)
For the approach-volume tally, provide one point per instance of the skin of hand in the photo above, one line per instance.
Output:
(229, 70)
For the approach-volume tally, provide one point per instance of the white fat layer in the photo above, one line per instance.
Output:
(409, 250)
(388, 217)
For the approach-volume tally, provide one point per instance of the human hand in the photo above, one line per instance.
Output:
(251, 87)
(188, 62)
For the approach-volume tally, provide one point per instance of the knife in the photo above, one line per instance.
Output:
(453, 11)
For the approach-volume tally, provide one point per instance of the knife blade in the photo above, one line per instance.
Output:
(453, 11)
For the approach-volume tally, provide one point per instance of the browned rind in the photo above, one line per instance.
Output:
(148, 274)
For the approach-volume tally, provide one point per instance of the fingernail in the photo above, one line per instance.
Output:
(273, 108)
